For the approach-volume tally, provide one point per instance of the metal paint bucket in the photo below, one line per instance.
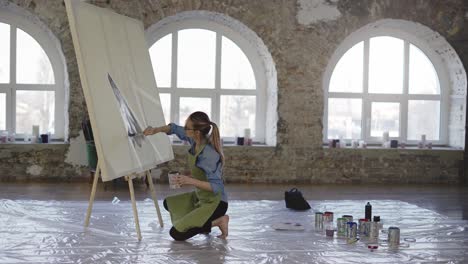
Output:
(373, 231)
(361, 226)
(329, 229)
(365, 229)
(341, 226)
(319, 220)
(351, 232)
(393, 236)
(328, 217)
(349, 218)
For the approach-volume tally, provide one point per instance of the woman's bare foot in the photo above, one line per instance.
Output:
(223, 224)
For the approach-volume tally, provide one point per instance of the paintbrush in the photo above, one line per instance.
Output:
(135, 134)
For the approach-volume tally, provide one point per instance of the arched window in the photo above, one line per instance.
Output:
(203, 65)
(386, 83)
(32, 78)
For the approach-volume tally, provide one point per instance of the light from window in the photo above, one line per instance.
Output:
(423, 77)
(2, 111)
(4, 53)
(188, 105)
(161, 54)
(196, 58)
(35, 108)
(165, 99)
(344, 118)
(236, 70)
(386, 69)
(348, 73)
(423, 118)
(385, 118)
(32, 64)
(237, 114)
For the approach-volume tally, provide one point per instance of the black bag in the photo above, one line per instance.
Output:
(295, 200)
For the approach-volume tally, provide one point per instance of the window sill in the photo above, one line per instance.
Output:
(229, 146)
(411, 148)
(26, 144)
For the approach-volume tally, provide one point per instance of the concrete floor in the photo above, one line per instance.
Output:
(42, 223)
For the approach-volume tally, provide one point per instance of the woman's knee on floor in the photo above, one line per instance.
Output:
(176, 235)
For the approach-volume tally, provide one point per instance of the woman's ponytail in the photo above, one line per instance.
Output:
(215, 139)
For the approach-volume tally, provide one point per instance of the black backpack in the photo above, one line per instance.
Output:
(295, 200)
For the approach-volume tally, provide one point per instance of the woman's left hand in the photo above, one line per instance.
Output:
(184, 180)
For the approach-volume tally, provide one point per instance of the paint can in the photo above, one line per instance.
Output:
(328, 217)
(377, 219)
(319, 220)
(373, 231)
(329, 229)
(351, 232)
(349, 218)
(393, 236)
(341, 226)
(365, 229)
(361, 225)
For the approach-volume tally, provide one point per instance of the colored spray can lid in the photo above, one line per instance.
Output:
(328, 213)
(376, 218)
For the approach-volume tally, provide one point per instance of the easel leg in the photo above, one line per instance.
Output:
(155, 199)
(93, 193)
(135, 212)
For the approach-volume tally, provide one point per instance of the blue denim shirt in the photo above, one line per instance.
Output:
(208, 160)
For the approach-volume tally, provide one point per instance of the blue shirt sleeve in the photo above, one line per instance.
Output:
(179, 132)
(210, 162)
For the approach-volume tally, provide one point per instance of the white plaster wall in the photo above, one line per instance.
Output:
(76, 154)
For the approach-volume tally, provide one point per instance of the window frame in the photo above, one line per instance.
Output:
(53, 51)
(403, 99)
(154, 34)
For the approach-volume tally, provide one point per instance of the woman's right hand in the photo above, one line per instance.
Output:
(150, 131)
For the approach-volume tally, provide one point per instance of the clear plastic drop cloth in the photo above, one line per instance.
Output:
(52, 232)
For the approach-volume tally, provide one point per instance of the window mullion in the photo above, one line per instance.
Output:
(11, 106)
(365, 121)
(36, 87)
(404, 101)
(174, 115)
(216, 100)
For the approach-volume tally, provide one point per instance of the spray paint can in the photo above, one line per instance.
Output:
(393, 236)
(349, 218)
(351, 232)
(368, 211)
(341, 226)
(361, 226)
(328, 217)
(373, 231)
(319, 220)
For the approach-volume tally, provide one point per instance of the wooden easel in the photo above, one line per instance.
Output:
(132, 196)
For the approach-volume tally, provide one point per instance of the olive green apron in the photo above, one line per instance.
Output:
(193, 209)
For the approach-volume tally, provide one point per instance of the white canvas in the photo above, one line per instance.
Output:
(119, 88)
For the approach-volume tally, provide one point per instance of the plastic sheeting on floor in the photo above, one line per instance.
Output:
(52, 232)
